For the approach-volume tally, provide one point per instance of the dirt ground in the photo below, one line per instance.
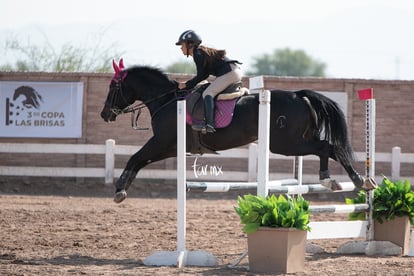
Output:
(60, 228)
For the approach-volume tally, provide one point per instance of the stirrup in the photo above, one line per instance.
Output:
(203, 128)
(210, 129)
(198, 127)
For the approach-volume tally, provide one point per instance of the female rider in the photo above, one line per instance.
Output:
(208, 61)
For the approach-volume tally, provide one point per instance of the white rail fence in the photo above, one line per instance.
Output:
(110, 150)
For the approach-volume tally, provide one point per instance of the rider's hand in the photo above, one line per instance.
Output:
(182, 85)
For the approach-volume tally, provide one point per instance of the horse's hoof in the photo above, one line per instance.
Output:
(331, 184)
(120, 196)
(357, 180)
(369, 184)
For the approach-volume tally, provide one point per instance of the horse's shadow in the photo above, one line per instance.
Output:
(76, 262)
(81, 260)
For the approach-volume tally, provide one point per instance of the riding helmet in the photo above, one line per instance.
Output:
(189, 36)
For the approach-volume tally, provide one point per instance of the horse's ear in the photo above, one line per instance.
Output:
(116, 67)
(121, 64)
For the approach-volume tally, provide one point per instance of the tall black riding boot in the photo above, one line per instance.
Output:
(209, 113)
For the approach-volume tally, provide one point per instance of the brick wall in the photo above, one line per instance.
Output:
(394, 106)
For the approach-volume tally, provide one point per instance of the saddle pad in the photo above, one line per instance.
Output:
(223, 113)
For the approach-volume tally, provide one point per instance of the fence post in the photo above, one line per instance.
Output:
(252, 163)
(395, 163)
(109, 161)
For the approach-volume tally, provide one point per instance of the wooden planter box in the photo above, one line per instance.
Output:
(396, 231)
(277, 250)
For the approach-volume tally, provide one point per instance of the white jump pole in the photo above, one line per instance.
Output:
(181, 257)
(181, 180)
(370, 151)
(300, 170)
(283, 186)
(257, 83)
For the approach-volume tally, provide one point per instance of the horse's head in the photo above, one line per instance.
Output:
(117, 99)
(140, 83)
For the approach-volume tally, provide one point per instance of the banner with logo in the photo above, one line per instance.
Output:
(41, 109)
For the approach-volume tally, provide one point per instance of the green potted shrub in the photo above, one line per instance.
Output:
(276, 228)
(393, 212)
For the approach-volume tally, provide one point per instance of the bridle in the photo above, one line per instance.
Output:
(115, 95)
(136, 109)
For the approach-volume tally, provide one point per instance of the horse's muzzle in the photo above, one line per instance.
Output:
(107, 115)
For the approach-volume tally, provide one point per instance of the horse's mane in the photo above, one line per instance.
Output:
(150, 75)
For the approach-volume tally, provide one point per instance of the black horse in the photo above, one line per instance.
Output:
(302, 123)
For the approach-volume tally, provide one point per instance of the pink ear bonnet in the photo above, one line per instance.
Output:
(118, 68)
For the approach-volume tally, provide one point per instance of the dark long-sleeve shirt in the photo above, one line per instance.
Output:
(218, 67)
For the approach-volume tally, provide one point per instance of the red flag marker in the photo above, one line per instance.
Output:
(366, 94)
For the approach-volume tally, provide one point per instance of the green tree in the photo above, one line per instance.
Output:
(69, 58)
(181, 67)
(287, 62)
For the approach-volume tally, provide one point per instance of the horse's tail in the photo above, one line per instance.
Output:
(331, 123)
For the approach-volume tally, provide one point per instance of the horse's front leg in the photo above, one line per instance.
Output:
(151, 152)
(322, 149)
(324, 152)
(325, 175)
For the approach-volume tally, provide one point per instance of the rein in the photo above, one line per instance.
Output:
(137, 108)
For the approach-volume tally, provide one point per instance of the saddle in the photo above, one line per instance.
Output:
(224, 104)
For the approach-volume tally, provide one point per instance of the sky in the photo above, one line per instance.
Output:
(368, 39)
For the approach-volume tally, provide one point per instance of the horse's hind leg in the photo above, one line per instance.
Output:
(324, 174)
(358, 180)
(317, 147)
(325, 151)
